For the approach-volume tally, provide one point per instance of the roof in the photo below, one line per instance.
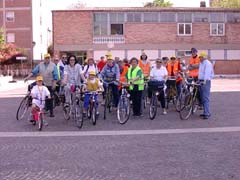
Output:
(154, 9)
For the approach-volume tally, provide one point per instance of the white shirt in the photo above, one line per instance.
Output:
(91, 68)
(158, 74)
(73, 73)
(40, 93)
(205, 70)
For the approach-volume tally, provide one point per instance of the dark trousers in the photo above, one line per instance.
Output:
(136, 101)
(49, 102)
(115, 92)
(161, 97)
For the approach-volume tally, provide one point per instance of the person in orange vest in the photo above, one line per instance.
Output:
(173, 68)
(123, 68)
(145, 65)
(194, 65)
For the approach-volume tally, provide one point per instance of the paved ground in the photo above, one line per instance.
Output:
(165, 148)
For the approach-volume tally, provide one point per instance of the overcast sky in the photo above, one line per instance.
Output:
(64, 4)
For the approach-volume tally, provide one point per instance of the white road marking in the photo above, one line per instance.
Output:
(118, 132)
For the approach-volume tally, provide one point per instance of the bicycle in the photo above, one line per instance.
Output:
(188, 101)
(92, 109)
(145, 92)
(108, 99)
(156, 87)
(171, 92)
(123, 109)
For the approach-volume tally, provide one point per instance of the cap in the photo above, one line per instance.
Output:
(193, 49)
(47, 55)
(173, 57)
(109, 55)
(39, 78)
(92, 73)
(203, 54)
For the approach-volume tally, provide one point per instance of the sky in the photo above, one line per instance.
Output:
(64, 4)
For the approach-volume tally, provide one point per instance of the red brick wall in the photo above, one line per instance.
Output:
(22, 19)
(72, 28)
(21, 40)
(17, 3)
(227, 67)
(1, 18)
(233, 32)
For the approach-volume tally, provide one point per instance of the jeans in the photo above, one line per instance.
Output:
(87, 98)
(205, 97)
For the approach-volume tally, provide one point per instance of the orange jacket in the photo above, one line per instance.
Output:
(194, 72)
(123, 75)
(175, 69)
(145, 67)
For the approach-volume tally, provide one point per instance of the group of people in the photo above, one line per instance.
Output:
(136, 72)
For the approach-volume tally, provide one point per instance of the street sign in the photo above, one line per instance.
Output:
(21, 58)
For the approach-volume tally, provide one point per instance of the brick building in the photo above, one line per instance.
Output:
(159, 31)
(24, 24)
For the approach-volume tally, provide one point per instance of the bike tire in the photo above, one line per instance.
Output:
(94, 115)
(66, 113)
(78, 112)
(40, 122)
(23, 107)
(105, 107)
(186, 111)
(153, 107)
(123, 108)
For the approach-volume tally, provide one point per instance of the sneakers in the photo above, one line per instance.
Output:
(164, 111)
(103, 102)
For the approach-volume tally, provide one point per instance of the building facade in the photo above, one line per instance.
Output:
(158, 31)
(23, 24)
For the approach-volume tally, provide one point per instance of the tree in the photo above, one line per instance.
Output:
(159, 3)
(226, 3)
(77, 5)
(1, 37)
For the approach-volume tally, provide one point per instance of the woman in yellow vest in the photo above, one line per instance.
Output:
(93, 84)
(136, 85)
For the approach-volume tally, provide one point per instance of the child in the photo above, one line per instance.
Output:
(93, 84)
(39, 93)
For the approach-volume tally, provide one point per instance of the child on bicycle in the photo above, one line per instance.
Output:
(39, 93)
(93, 84)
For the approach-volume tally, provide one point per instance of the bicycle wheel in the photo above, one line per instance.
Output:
(153, 107)
(40, 122)
(23, 107)
(187, 107)
(78, 112)
(179, 101)
(66, 112)
(94, 114)
(106, 107)
(123, 110)
(110, 102)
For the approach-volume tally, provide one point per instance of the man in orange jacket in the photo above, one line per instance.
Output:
(173, 68)
(194, 64)
(123, 68)
(145, 65)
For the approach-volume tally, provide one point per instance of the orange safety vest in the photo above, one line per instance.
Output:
(123, 75)
(194, 72)
(145, 67)
(175, 70)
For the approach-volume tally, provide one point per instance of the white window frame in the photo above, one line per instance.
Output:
(10, 37)
(184, 34)
(211, 24)
(10, 14)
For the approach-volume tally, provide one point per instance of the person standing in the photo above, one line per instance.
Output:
(101, 63)
(194, 64)
(205, 75)
(48, 70)
(135, 78)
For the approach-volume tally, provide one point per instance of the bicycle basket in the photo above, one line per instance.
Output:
(155, 85)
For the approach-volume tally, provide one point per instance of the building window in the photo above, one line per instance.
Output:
(100, 24)
(184, 17)
(116, 29)
(217, 17)
(201, 17)
(150, 17)
(233, 17)
(184, 53)
(10, 16)
(10, 37)
(185, 29)
(133, 17)
(167, 17)
(217, 29)
(116, 17)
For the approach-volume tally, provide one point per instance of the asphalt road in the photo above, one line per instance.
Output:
(165, 148)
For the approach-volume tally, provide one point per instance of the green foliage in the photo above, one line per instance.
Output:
(226, 3)
(159, 3)
(1, 37)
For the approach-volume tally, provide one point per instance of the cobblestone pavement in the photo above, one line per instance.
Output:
(205, 155)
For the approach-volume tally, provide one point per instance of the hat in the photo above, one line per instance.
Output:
(90, 58)
(158, 60)
(47, 55)
(193, 49)
(109, 55)
(203, 54)
(39, 78)
(92, 73)
(143, 54)
(173, 57)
